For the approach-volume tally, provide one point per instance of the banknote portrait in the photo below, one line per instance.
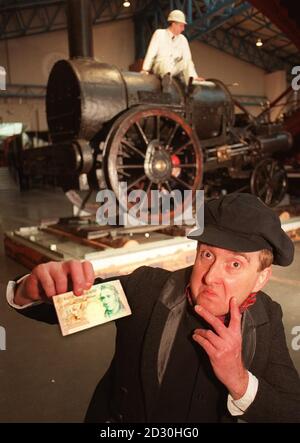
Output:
(102, 303)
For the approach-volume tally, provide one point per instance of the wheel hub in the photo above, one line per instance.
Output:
(158, 163)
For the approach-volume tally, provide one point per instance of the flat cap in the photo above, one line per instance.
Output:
(243, 223)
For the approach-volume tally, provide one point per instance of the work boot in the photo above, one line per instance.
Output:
(166, 83)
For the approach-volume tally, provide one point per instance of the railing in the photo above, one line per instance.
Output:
(24, 91)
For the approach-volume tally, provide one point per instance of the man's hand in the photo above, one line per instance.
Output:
(224, 349)
(199, 79)
(49, 279)
(144, 72)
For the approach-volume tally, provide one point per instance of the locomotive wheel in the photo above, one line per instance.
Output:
(153, 149)
(269, 182)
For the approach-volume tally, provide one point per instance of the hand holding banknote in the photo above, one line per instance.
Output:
(49, 279)
(102, 303)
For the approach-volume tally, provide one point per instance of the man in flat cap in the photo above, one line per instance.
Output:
(169, 54)
(203, 344)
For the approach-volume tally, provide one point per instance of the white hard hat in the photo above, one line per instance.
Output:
(177, 16)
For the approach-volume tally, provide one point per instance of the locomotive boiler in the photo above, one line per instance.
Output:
(109, 127)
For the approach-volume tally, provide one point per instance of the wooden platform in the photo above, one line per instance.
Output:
(112, 251)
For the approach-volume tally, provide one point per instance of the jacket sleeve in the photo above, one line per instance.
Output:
(151, 51)
(45, 312)
(278, 395)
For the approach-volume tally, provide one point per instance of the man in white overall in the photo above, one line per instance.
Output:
(169, 53)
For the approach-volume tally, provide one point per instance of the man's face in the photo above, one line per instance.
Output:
(219, 274)
(177, 28)
(109, 300)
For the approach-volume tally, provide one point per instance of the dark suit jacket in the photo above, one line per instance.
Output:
(147, 347)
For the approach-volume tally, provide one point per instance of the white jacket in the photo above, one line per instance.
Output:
(171, 52)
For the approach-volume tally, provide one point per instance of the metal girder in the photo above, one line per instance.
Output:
(19, 19)
(207, 22)
(284, 15)
(214, 18)
(151, 17)
(264, 24)
(235, 45)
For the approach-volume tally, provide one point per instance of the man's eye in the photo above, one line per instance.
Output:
(236, 265)
(206, 254)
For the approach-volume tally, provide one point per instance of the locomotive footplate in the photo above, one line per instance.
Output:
(113, 251)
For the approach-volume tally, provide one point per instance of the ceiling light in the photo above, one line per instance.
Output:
(126, 4)
(259, 42)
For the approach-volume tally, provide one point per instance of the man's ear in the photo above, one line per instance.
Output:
(262, 279)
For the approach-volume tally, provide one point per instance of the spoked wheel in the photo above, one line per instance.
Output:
(269, 182)
(153, 149)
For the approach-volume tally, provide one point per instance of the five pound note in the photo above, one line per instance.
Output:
(102, 303)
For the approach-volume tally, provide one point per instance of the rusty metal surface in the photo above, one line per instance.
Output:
(147, 89)
(274, 143)
(52, 159)
(65, 161)
(212, 109)
(82, 95)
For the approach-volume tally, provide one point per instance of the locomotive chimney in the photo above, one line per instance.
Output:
(80, 31)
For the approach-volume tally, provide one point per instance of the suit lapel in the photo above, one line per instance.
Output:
(160, 334)
(249, 338)
(253, 317)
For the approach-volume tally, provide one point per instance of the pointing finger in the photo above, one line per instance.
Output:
(235, 315)
(215, 322)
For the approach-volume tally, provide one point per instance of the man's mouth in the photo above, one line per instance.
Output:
(208, 293)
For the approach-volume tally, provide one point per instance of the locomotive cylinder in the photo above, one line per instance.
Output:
(277, 142)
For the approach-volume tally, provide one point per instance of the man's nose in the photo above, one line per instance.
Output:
(213, 273)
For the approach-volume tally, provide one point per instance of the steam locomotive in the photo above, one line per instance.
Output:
(109, 126)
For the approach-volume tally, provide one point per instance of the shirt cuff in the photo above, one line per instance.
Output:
(10, 294)
(238, 407)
